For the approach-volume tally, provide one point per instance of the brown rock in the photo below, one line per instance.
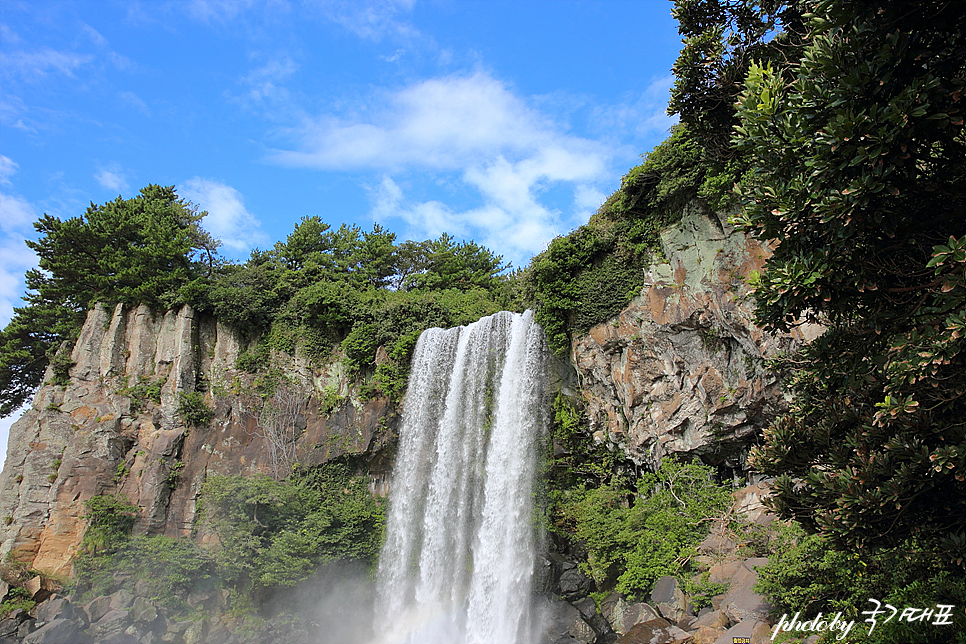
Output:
(724, 572)
(655, 631)
(742, 630)
(741, 603)
(715, 619)
(706, 634)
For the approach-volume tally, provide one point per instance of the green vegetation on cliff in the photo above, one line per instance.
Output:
(270, 534)
(588, 276)
(318, 290)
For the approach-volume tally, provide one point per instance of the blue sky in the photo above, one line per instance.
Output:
(507, 123)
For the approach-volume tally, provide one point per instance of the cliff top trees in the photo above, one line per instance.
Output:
(315, 287)
(135, 250)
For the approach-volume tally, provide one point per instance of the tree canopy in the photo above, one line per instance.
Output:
(311, 291)
(143, 249)
(857, 160)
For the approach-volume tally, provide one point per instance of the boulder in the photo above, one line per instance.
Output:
(623, 616)
(741, 603)
(739, 630)
(573, 583)
(655, 631)
(565, 624)
(10, 624)
(59, 631)
(668, 598)
(143, 611)
(59, 608)
(706, 635)
(98, 608)
(121, 600)
(723, 572)
(713, 619)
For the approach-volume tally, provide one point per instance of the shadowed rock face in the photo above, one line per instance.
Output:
(85, 439)
(681, 369)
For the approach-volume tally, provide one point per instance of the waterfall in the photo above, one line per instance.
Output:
(457, 566)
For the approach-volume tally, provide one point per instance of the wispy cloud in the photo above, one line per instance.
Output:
(7, 168)
(112, 178)
(227, 218)
(132, 99)
(444, 123)
(218, 10)
(38, 64)
(644, 113)
(370, 19)
(16, 215)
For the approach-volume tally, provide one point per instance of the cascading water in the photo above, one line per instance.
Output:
(457, 566)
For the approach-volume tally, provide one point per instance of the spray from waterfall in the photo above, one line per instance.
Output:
(458, 563)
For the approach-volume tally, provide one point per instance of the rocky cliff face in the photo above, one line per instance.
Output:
(96, 435)
(682, 368)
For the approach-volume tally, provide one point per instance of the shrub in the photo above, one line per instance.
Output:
(110, 519)
(170, 568)
(807, 573)
(276, 533)
(193, 409)
(635, 537)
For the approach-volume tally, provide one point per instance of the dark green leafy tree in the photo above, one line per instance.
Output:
(722, 38)
(140, 250)
(860, 177)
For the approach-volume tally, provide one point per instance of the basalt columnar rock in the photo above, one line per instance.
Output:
(682, 368)
(103, 433)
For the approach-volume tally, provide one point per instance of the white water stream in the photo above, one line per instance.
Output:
(457, 566)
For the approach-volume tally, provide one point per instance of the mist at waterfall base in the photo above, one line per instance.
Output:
(458, 563)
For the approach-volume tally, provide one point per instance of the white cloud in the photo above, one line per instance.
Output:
(370, 19)
(446, 123)
(266, 89)
(15, 213)
(17, 258)
(219, 10)
(7, 168)
(227, 219)
(112, 178)
(646, 113)
(473, 126)
(38, 64)
(135, 101)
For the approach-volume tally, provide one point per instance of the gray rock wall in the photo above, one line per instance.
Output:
(86, 439)
(682, 368)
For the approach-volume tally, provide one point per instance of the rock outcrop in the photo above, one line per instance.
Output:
(101, 434)
(682, 368)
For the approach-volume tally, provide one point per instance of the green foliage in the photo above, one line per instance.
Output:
(860, 168)
(193, 409)
(170, 569)
(275, 533)
(722, 38)
(145, 249)
(805, 574)
(16, 599)
(634, 537)
(588, 276)
(110, 520)
(141, 393)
